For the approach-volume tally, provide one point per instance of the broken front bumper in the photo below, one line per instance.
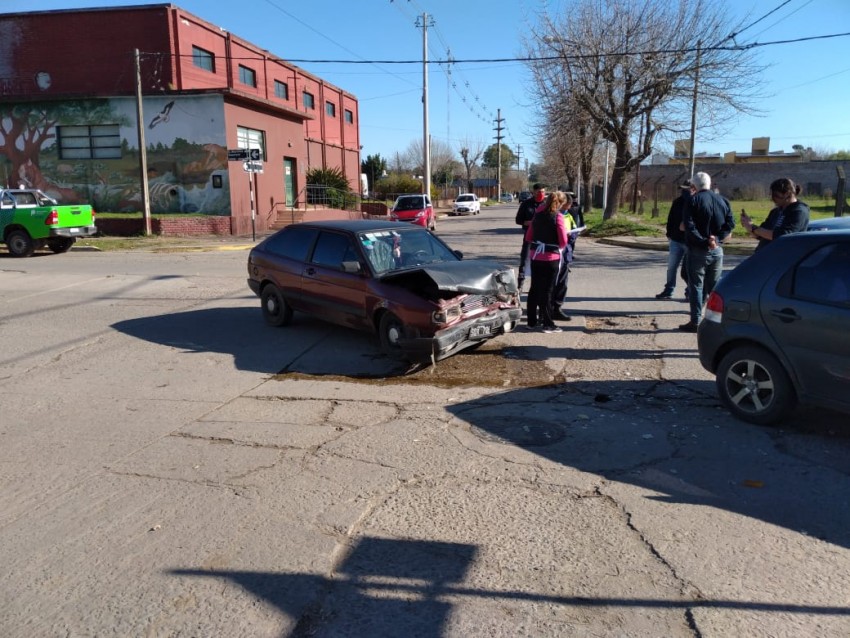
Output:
(463, 335)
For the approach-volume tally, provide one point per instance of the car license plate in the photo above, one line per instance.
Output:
(74, 230)
(479, 331)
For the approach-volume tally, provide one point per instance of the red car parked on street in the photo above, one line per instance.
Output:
(415, 209)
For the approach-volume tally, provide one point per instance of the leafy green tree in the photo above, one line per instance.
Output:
(491, 156)
(374, 167)
(394, 185)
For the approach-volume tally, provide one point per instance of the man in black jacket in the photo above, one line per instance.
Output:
(708, 221)
(524, 215)
(676, 241)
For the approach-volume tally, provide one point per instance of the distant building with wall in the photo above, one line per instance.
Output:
(68, 114)
(736, 175)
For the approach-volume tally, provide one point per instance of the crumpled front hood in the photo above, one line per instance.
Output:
(475, 277)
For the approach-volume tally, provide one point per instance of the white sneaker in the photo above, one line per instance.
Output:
(552, 330)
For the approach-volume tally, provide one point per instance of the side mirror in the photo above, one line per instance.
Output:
(352, 267)
(458, 254)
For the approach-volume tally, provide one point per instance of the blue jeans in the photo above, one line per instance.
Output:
(674, 260)
(704, 269)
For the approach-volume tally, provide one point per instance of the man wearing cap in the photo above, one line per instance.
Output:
(676, 240)
(524, 214)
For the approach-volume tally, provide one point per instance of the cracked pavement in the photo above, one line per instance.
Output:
(172, 467)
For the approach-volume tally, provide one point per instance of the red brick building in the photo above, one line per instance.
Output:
(68, 114)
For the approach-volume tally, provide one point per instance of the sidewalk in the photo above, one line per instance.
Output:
(732, 246)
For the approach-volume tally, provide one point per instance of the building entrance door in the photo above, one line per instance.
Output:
(289, 180)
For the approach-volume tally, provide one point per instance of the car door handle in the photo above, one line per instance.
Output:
(310, 271)
(786, 315)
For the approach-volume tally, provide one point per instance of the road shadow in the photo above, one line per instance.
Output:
(677, 441)
(390, 587)
(307, 345)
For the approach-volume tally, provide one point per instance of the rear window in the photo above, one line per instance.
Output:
(824, 276)
(293, 242)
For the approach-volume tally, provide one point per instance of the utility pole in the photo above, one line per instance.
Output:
(143, 151)
(694, 110)
(498, 130)
(518, 164)
(426, 136)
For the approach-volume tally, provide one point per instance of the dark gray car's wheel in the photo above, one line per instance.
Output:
(754, 385)
(276, 311)
(60, 244)
(391, 330)
(20, 244)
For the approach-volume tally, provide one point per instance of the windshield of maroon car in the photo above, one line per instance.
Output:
(390, 250)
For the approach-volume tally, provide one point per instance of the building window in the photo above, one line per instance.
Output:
(98, 141)
(247, 76)
(349, 117)
(281, 90)
(330, 109)
(251, 138)
(309, 100)
(203, 59)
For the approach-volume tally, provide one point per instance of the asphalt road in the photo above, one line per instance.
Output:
(170, 466)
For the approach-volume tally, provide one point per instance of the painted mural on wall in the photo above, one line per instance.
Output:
(186, 153)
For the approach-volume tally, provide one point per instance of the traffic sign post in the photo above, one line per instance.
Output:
(251, 164)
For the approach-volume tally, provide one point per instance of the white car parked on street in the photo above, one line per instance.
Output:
(466, 204)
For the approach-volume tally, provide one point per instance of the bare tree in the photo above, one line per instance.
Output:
(441, 156)
(629, 68)
(470, 152)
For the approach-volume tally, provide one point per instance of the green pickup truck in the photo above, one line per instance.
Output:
(31, 220)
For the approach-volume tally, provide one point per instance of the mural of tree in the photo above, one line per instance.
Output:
(26, 129)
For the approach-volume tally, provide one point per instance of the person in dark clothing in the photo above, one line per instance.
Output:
(708, 222)
(547, 238)
(524, 215)
(676, 241)
(790, 215)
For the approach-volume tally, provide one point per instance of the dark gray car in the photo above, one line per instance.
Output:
(775, 330)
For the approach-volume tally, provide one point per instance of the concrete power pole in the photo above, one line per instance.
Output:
(498, 130)
(426, 136)
(143, 151)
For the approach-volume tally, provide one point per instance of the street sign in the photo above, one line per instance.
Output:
(253, 167)
(242, 154)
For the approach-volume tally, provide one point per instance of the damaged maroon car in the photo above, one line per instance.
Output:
(398, 281)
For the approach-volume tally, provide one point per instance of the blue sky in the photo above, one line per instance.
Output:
(810, 81)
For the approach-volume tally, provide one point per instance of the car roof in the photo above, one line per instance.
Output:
(829, 223)
(360, 225)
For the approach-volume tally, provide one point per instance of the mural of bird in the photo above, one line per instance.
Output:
(162, 116)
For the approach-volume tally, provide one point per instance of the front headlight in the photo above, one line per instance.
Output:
(446, 315)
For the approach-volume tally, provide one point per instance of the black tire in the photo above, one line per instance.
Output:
(20, 244)
(276, 311)
(433, 226)
(60, 244)
(754, 386)
(391, 329)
